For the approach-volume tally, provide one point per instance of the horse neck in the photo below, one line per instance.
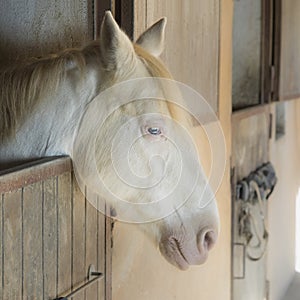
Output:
(52, 124)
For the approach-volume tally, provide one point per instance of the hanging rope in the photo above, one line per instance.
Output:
(262, 238)
(255, 190)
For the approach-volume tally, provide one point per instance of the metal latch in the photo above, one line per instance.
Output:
(93, 276)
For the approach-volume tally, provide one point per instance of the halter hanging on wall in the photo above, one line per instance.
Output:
(255, 190)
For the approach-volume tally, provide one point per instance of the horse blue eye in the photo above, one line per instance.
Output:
(154, 130)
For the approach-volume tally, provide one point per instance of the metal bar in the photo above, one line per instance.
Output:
(84, 286)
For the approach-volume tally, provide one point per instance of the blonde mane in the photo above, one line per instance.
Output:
(24, 84)
(157, 69)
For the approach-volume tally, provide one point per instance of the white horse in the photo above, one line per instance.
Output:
(42, 102)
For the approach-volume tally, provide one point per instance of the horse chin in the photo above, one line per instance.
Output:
(174, 257)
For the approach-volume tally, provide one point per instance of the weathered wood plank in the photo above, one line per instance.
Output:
(64, 233)
(140, 18)
(12, 245)
(32, 172)
(47, 211)
(32, 241)
(101, 247)
(108, 254)
(1, 246)
(91, 244)
(50, 238)
(35, 27)
(79, 272)
(247, 54)
(194, 25)
(290, 47)
(255, 143)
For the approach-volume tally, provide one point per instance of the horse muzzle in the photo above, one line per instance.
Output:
(183, 250)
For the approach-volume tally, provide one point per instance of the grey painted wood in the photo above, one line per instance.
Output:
(37, 27)
(50, 238)
(32, 242)
(246, 55)
(12, 245)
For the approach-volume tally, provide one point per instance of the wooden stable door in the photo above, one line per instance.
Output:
(250, 150)
(49, 233)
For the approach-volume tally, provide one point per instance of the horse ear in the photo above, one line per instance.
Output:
(114, 44)
(153, 39)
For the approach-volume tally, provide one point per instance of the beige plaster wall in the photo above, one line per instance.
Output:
(284, 154)
(139, 271)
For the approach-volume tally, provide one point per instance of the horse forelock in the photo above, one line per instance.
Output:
(157, 69)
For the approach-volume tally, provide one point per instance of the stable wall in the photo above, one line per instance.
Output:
(294, 288)
(284, 154)
(139, 271)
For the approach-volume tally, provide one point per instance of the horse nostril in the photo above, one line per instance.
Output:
(210, 239)
(207, 240)
(175, 243)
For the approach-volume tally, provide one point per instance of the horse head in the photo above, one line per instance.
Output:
(143, 153)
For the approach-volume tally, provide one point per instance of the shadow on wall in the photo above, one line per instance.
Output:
(297, 236)
(284, 154)
(293, 291)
